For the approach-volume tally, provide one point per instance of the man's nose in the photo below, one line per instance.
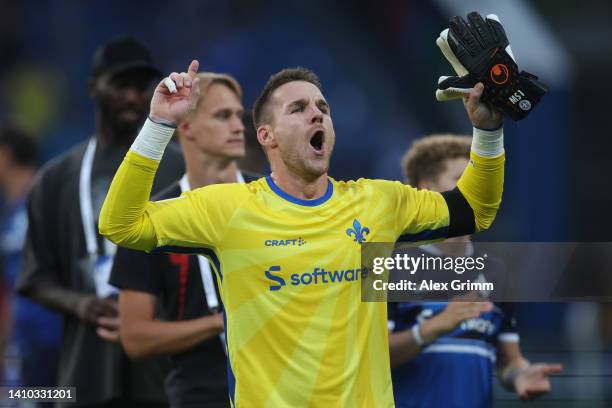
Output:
(237, 125)
(316, 115)
(132, 93)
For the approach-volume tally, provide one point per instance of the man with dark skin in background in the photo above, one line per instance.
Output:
(67, 263)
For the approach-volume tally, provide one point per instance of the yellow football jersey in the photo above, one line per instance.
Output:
(289, 272)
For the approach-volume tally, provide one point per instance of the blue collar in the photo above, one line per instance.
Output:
(299, 201)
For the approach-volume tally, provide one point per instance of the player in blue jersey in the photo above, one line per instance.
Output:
(444, 354)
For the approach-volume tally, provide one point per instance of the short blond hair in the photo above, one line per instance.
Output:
(425, 160)
(207, 79)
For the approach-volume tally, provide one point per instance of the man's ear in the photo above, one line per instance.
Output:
(265, 136)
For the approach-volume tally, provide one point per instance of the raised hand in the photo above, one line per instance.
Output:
(533, 381)
(176, 95)
(482, 115)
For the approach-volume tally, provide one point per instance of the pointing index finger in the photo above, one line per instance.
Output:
(193, 68)
(553, 368)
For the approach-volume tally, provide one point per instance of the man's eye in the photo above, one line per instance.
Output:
(223, 115)
(297, 109)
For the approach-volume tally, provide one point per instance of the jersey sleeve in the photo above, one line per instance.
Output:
(419, 215)
(197, 219)
(137, 270)
(193, 221)
(423, 215)
(508, 331)
(482, 184)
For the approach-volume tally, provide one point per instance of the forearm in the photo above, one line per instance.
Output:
(482, 181)
(154, 337)
(507, 374)
(53, 296)
(403, 346)
(123, 218)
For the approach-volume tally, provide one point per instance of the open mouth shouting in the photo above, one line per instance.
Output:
(317, 142)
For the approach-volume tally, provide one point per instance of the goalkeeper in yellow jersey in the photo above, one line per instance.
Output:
(286, 248)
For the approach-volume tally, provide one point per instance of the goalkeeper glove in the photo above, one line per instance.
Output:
(479, 51)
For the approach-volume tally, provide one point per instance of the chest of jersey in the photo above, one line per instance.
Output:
(282, 247)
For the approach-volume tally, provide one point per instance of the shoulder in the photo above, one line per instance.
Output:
(228, 193)
(60, 169)
(65, 162)
(373, 186)
(506, 308)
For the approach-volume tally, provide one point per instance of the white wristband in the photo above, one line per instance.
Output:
(153, 139)
(488, 143)
(416, 334)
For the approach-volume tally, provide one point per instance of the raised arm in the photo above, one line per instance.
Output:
(124, 218)
(473, 204)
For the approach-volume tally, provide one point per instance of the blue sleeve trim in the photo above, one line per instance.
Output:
(163, 124)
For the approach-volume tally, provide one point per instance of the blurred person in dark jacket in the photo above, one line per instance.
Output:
(67, 263)
(190, 328)
(35, 335)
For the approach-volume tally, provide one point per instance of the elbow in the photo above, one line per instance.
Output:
(133, 346)
(113, 226)
(133, 351)
(106, 227)
(393, 360)
(105, 231)
(123, 234)
(483, 219)
(110, 229)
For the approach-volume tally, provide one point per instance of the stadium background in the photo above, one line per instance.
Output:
(379, 64)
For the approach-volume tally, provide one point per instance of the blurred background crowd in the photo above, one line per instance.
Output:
(379, 65)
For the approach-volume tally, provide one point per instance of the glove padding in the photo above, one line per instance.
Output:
(479, 51)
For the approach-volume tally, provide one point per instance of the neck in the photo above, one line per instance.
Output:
(17, 182)
(297, 186)
(204, 169)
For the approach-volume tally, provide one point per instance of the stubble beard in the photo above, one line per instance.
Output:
(309, 169)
